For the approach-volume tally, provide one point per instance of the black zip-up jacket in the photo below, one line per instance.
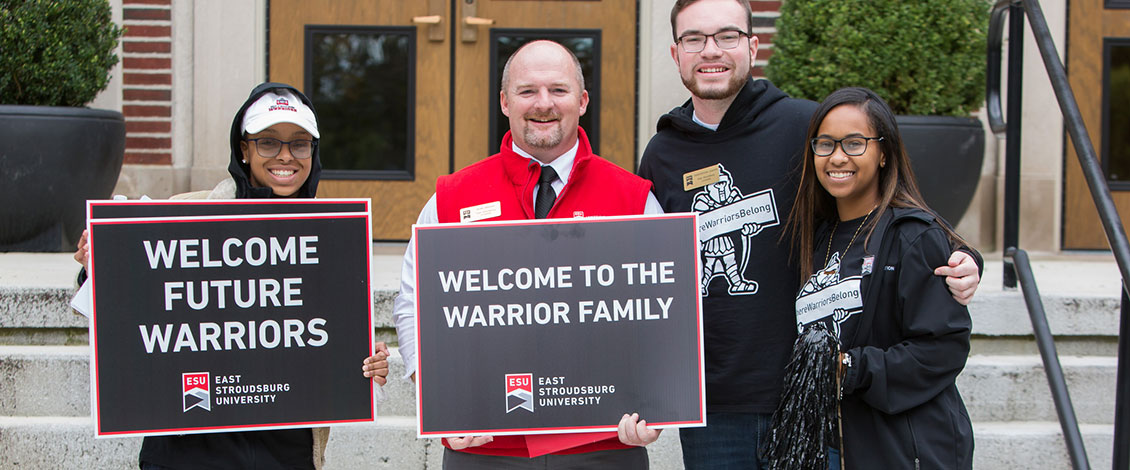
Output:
(274, 449)
(901, 407)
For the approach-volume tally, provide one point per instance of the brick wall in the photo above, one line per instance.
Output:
(147, 81)
(765, 13)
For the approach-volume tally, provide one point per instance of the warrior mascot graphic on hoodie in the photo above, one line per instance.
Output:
(727, 220)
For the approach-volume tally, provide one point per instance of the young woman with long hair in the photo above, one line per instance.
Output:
(859, 224)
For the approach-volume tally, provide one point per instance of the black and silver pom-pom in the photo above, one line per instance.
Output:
(804, 425)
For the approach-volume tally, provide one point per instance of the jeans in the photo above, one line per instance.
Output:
(729, 441)
(833, 458)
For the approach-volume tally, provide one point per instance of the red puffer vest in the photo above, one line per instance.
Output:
(596, 187)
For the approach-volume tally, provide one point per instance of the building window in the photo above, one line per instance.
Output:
(362, 82)
(585, 44)
(1116, 112)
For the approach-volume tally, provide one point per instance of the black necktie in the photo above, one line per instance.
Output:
(546, 194)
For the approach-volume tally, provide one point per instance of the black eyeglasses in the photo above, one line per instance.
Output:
(269, 147)
(725, 39)
(853, 146)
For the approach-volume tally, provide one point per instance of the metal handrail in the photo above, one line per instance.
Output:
(1104, 202)
(993, 73)
(1068, 422)
(1100, 192)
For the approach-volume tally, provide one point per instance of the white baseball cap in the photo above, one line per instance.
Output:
(273, 108)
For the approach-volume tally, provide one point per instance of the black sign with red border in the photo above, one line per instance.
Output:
(229, 315)
(535, 327)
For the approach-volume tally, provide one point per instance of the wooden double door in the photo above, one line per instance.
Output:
(407, 91)
(1098, 67)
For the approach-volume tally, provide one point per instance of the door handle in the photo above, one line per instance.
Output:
(471, 21)
(476, 21)
(434, 19)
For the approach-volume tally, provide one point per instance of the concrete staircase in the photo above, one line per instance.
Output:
(45, 394)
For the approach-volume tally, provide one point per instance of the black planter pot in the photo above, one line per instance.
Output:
(53, 160)
(946, 153)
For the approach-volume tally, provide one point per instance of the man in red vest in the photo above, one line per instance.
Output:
(544, 169)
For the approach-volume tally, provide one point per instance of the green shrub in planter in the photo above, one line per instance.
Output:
(55, 53)
(923, 56)
(55, 56)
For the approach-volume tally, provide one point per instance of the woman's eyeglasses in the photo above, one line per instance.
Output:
(853, 146)
(269, 147)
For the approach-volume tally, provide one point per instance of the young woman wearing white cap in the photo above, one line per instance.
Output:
(274, 148)
(274, 153)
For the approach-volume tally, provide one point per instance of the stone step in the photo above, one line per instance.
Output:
(1026, 345)
(1037, 444)
(391, 443)
(1015, 388)
(36, 289)
(54, 381)
(1082, 324)
(42, 315)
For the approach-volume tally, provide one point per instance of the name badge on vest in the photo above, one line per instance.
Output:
(480, 212)
(868, 265)
(699, 178)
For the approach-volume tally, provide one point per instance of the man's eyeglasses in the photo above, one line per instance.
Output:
(727, 39)
(853, 146)
(269, 147)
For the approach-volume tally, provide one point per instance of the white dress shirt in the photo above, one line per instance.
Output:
(404, 307)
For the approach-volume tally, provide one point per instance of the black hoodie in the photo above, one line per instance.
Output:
(240, 171)
(759, 145)
(276, 449)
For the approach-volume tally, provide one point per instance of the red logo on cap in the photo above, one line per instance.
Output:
(282, 104)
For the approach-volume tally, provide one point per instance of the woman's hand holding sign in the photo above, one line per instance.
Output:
(376, 366)
(82, 254)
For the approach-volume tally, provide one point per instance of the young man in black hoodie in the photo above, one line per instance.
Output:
(732, 154)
